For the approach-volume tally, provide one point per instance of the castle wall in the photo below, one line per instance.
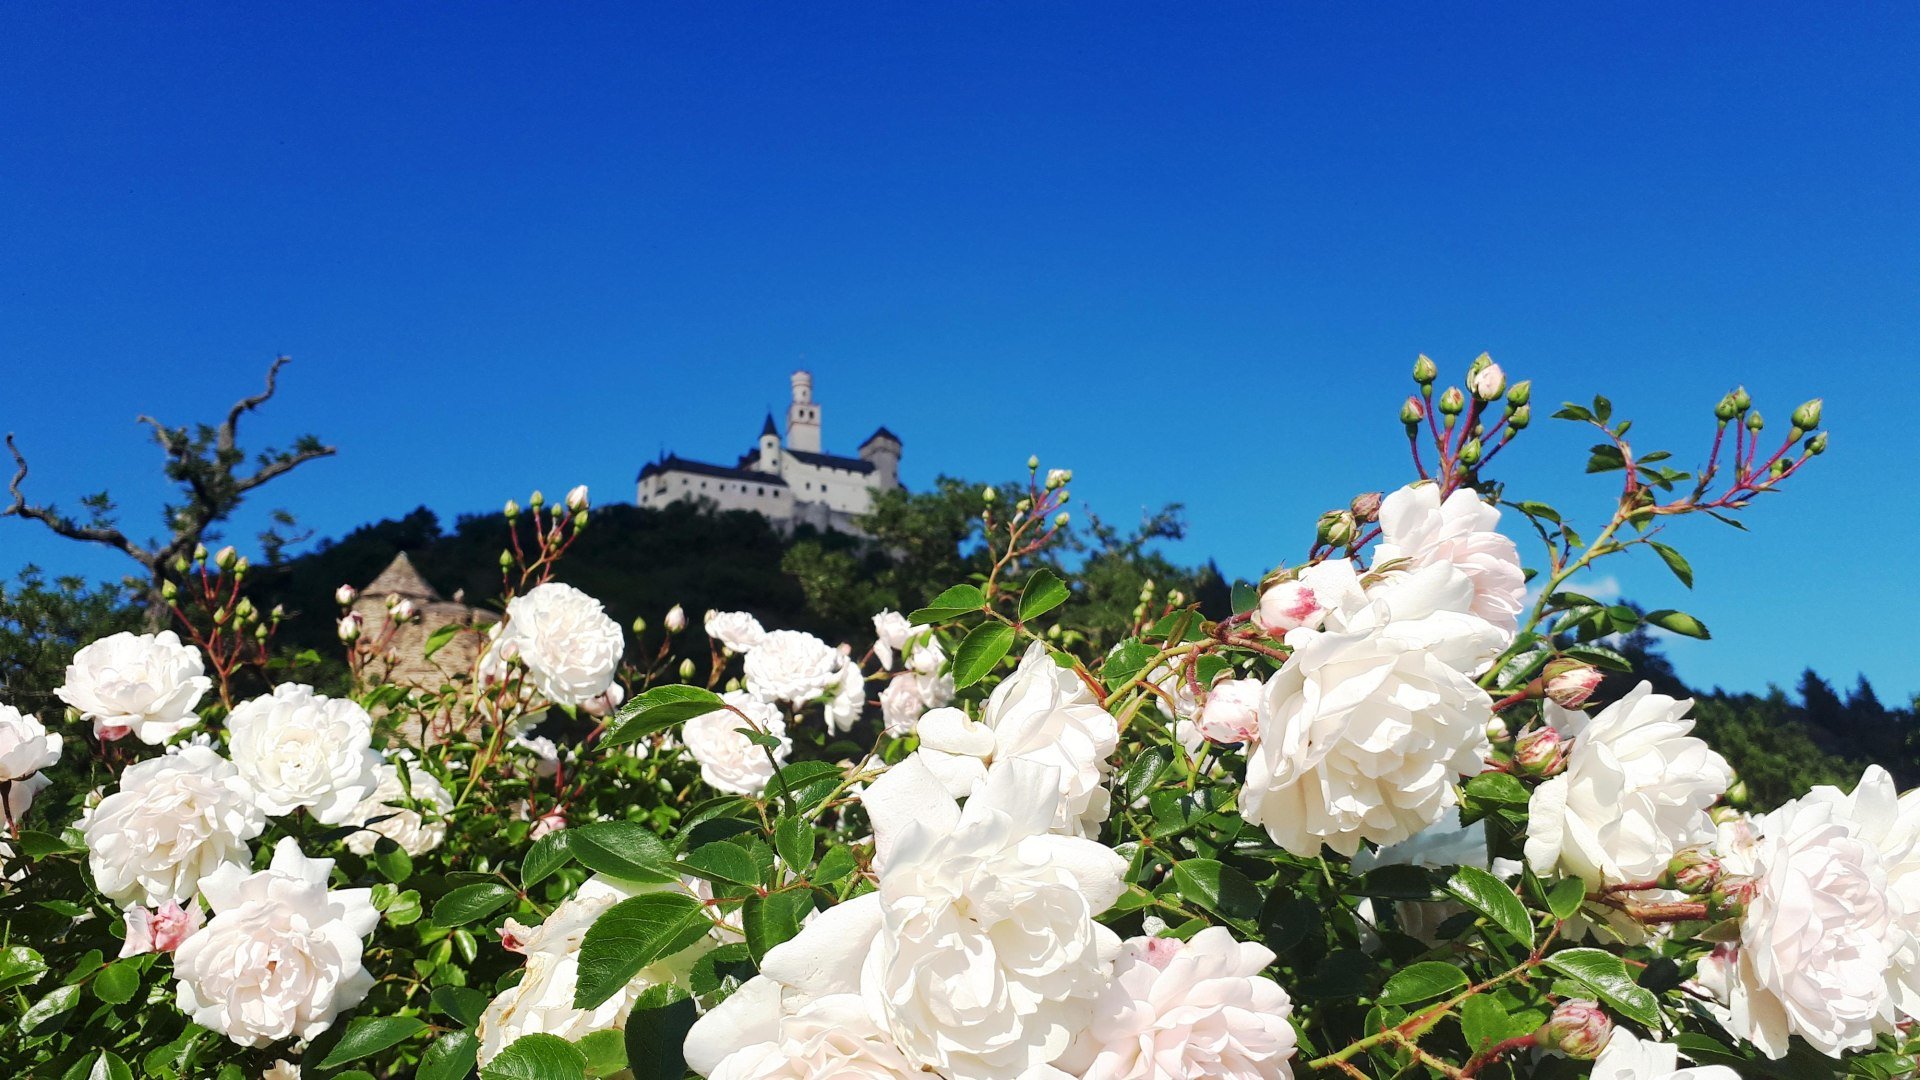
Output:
(769, 500)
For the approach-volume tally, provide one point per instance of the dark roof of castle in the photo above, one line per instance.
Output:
(832, 461)
(676, 463)
(878, 434)
(768, 428)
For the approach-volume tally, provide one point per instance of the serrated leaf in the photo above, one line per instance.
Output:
(723, 861)
(1675, 562)
(450, 1057)
(117, 983)
(108, 1066)
(470, 902)
(51, 1011)
(658, 709)
(1127, 660)
(549, 853)
(537, 1057)
(1678, 622)
(1421, 982)
(1217, 887)
(984, 646)
(1483, 1022)
(1044, 592)
(1490, 896)
(774, 918)
(463, 1004)
(624, 850)
(837, 863)
(955, 602)
(1566, 896)
(1144, 773)
(1606, 975)
(793, 839)
(370, 1035)
(629, 936)
(656, 1036)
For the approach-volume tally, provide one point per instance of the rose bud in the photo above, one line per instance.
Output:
(1807, 416)
(686, 668)
(1336, 527)
(345, 595)
(1058, 478)
(1452, 402)
(603, 704)
(404, 611)
(1569, 683)
(350, 625)
(160, 930)
(1693, 871)
(511, 510)
(1578, 1029)
(1520, 393)
(676, 619)
(1412, 412)
(1425, 370)
(1286, 606)
(1490, 383)
(577, 499)
(226, 558)
(1539, 752)
(1366, 506)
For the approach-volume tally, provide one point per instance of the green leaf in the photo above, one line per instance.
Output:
(1243, 597)
(723, 861)
(469, 902)
(1601, 657)
(1678, 622)
(984, 646)
(1127, 659)
(1566, 896)
(1483, 1021)
(659, 709)
(771, 919)
(537, 1057)
(606, 1052)
(20, 966)
(50, 1012)
(631, 935)
(117, 983)
(1044, 592)
(1606, 975)
(461, 1003)
(955, 602)
(837, 863)
(657, 1035)
(1144, 773)
(450, 1057)
(624, 850)
(1421, 982)
(370, 1035)
(391, 860)
(1217, 887)
(1396, 882)
(439, 638)
(793, 839)
(1490, 896)
(1675, 562)
(108, 1066)
(549, 853)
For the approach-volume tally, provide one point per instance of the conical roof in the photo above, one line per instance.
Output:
(401, 579)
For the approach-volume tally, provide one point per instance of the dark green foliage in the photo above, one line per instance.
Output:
(42, 624)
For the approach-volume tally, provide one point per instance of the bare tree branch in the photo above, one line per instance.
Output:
(282, 466)
(247, 405)
(58, 522)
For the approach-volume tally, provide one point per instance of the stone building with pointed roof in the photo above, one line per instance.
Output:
(790, 481)
(405, 650)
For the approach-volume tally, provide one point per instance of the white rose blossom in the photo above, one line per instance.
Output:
(849, 699)
(902, 704)
(542, 1001)
(1417, 527)
(1188, 1008)
(1366, 728)
(978, 957)
(281, 956)
(281, 1069)
(1636, 791)
(1231, 714)
(147, 685)
(729, 761)
(25, 745)
(571, 648)
(1307, 597)
(736, 631)
(890, 633)
(1042, 713)
(1628, 1057)
(791, 666)
(173, 821)
(302, 750)
(387, 812)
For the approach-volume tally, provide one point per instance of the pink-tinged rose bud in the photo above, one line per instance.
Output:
(577, 499)
(1490, 383)
(1539, 752)
(161, 930)
(1693, 871)
(1288, 605)
(550, 822)
(350, 626)
(676, 619)
(1570, 683)
(345, 595)
(1412, 412)
(1366, 506)
(1578, 1029)
(110, 732)
(404, 611)
(1232, 712)
(606, 702)
(226, 558)
(1451, 402)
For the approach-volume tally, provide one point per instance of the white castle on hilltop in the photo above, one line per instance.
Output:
(789, 482)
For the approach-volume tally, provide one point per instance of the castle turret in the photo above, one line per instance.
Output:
(882, 451)
(769, 460)
(803, 416)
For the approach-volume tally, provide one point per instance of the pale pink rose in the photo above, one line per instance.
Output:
(1417, 530)
(162, 929)
(1232, 712)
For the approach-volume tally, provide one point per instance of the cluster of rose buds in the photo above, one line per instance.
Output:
(554, 529)
(1460, 423)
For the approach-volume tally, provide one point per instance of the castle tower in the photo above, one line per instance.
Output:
(882, 451)
(769, 448)
(803, 416)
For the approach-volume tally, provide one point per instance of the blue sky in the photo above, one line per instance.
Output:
(1190, 254)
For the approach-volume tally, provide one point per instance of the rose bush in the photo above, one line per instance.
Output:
(1375, 820)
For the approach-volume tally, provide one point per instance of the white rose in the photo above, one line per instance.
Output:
(25, 745)
(890, 631)
(849, 699)
(1232, 712)
(832, 1036)
(281, 1069)
(20, 795)
(979, 954)
(147, 684)
(1627, 1057)
(542, 1001)
(1636, 792)
(1193, 1008)
(300, 750)
(729, 761)
(924, 655)
(1366, 728)
(174, 820)
(387, 811)
(1307, 597)
(546, 753)
(280, 958)
(571, 648)
(791, 666)
(1041, 713)
(1819, 937)
(901, 704)
(736, 631)
(1464, 532)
